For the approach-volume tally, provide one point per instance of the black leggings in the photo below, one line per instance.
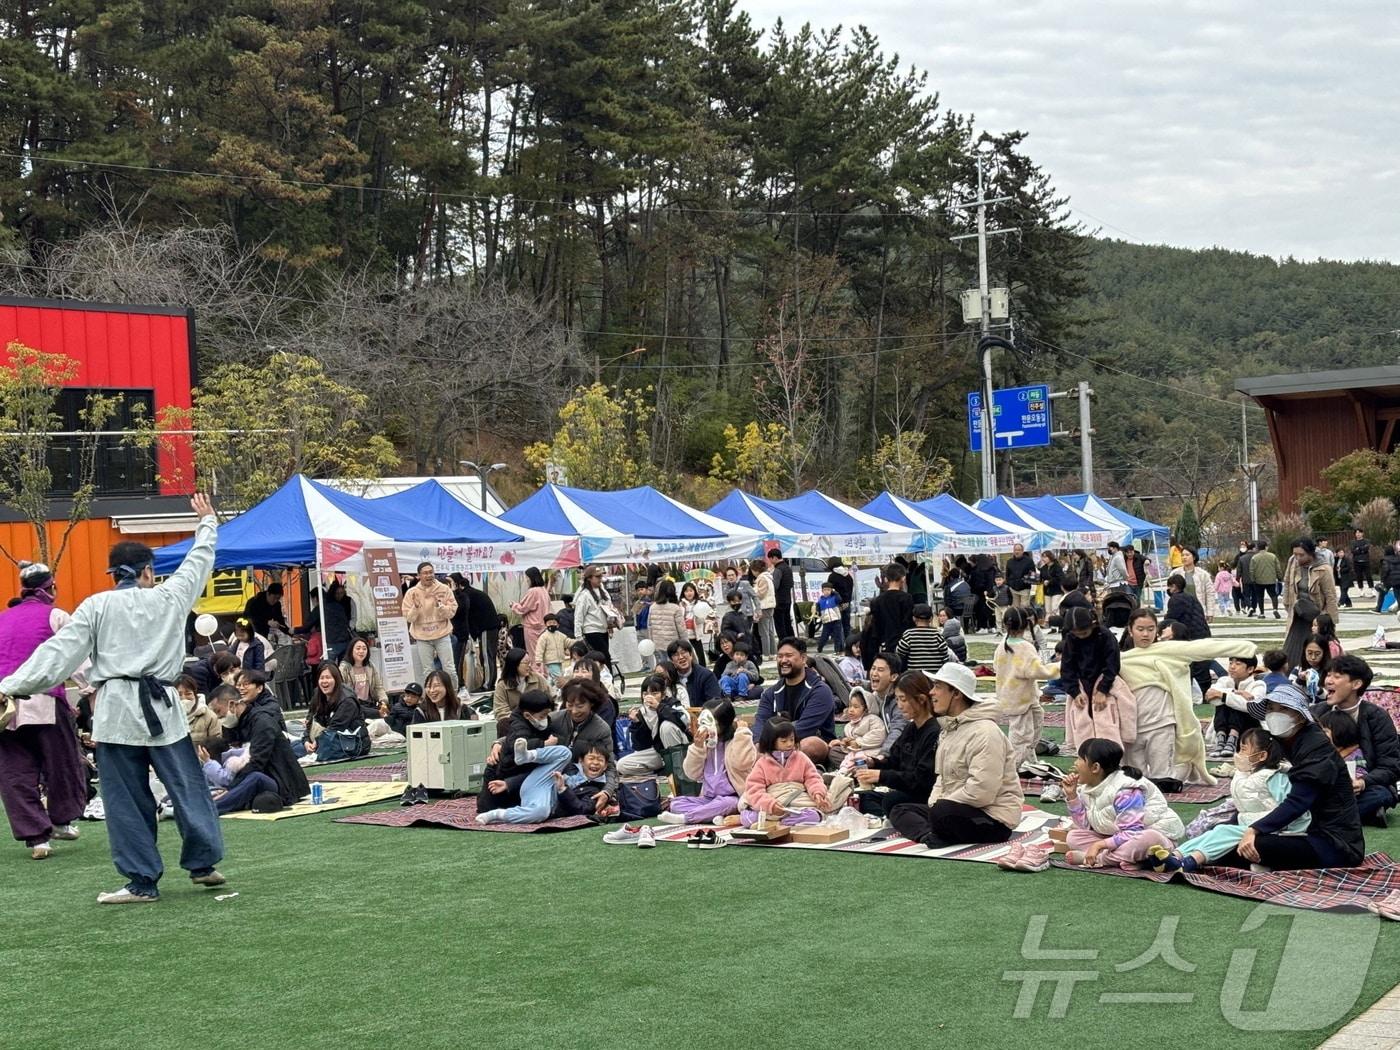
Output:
(946, 824)
(1227, 719)
(1290, 853)
(598, 640)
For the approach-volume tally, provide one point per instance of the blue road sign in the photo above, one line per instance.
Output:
(1020, 418)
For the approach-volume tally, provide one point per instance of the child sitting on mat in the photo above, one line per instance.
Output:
(741, 677)
(784, 783)
(1345, 734)
(578, 791)
(865, 729)
(720, 758)
(850, 665)
(1257, 787)
(1118, 814)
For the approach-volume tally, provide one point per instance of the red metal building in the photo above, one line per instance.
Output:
(144, 356)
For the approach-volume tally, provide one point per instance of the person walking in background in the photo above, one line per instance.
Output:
(482, 625)
(1265, 573)
(1343, 575)
(1361, 560)
(134, 637)
(767, 631)
(1020, 576)
(839, 576)
(531, 607)
(782, 593)
(1198, 581)
(1052, 578)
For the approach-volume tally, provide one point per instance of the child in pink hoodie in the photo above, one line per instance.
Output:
(784, 783)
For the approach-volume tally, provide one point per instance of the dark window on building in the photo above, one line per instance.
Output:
(121, 469)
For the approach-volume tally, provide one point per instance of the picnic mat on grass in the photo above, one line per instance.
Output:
(387, 771)
(458, 814)
(1191, 794)
(342, 796)
(886, 842)
(1313, 889)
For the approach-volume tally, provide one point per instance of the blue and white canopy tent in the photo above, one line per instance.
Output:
(1056, 524)
(951, 526)
(1096, 509)
(633, 526)
(813, 525)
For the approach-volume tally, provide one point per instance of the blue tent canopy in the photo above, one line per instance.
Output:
(951, 526)
(1095, 507)
(637, 524)
(284, 529)
(1058, 524)
(813, 524)
(432, 504)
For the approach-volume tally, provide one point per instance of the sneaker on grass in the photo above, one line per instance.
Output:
(66, 833)
(212, 877)
(646, 838)
(43, 851)
(627, 835)
(125, 895)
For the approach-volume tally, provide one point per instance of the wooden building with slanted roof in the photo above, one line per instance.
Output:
(1316, 418)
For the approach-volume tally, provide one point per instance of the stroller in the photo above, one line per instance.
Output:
(1118, 605)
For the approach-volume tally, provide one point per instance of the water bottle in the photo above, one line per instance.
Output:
(318, 794)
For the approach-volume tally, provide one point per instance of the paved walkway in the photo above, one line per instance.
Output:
(1377, 1029)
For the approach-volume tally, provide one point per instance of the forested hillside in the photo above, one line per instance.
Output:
(469, 209)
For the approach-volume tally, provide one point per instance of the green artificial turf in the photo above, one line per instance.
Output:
(347, 936)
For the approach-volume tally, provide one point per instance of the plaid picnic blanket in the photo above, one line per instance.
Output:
(458, 814)
(1314, 889)
(387, 771)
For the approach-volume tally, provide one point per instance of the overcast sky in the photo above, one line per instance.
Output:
(1272, 127)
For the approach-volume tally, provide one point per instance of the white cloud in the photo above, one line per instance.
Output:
(1265, 126)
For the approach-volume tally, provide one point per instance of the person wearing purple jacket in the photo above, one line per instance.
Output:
(802, 695)
(39, 745)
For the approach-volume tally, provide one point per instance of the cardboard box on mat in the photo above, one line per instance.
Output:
(449, 756)
(773, 832)
(823, 833)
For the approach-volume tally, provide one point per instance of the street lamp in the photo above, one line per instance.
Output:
(483, 471)
(598, 366)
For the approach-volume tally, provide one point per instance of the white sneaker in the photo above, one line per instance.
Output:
(627, 835)
(646, 838)
(491, 816)
(65, 832)
(672, 818)
(125, 896)
(95, 810)
(43, 851)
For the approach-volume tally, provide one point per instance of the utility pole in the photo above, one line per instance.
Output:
(1086, 437)
(989, 470)
(1251, 470)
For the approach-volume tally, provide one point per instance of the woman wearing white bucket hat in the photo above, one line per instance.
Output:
(1319, 784)
(977, 795)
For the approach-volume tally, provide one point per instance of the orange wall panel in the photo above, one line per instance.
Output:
(83, 570)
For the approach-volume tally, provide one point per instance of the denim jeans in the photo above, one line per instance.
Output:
(241, 795)
(131, 810)
(537, 794)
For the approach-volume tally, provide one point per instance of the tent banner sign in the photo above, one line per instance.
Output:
(382, 565)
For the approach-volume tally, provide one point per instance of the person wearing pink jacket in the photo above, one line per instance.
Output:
(783, 783)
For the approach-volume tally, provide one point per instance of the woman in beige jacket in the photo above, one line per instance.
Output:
(666, 621)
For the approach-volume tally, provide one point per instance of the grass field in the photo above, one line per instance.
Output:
(345, 936)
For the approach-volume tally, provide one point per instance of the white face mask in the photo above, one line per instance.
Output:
(1280, 723)
(540, 723)
(229, 721)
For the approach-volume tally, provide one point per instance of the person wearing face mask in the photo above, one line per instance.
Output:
(271, 766)
(1256, 789)
(1320, 785)
(520, 787)
(720, 759)
(552, 649)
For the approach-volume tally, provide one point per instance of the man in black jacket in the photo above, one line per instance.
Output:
(483, 624)
(1020, 576)
(1361, 559)
(1347, 681)
(272, 765)
(782, 593)
(699, 682)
